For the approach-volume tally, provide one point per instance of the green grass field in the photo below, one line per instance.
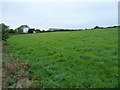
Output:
(83, 59)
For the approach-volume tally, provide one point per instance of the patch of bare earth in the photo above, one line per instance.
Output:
(14, 74)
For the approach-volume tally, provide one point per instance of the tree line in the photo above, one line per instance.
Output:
(6, 32)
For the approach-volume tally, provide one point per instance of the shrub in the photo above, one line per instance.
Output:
(5, 31)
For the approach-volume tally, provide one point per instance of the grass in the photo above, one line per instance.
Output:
(83, 59)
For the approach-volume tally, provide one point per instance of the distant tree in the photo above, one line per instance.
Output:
(37, 31)
(11, 31)
(20, 30)
(115, 26)
(96, 27)
(31, 30)
(43, 31)
(16, 31)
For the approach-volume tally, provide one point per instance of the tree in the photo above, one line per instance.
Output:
(5, 31)
(31, 30)
(11, 31)
(43, 30)
(37, 31)
(96, 27)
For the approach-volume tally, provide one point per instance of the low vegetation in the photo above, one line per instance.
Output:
(83, 59)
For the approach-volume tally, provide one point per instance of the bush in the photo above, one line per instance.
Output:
(37, 31)
(5, 31)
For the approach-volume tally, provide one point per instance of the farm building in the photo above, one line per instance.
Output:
(24, 28)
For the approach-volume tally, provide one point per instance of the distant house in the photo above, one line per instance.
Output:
(24, 28)
(54, 29)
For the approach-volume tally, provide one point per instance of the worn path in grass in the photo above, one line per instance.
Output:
(85, 59)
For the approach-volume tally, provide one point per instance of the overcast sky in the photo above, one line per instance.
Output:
(60, 14)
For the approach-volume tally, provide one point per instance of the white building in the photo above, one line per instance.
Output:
(25, 28)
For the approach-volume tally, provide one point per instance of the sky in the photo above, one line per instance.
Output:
(70, 15)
